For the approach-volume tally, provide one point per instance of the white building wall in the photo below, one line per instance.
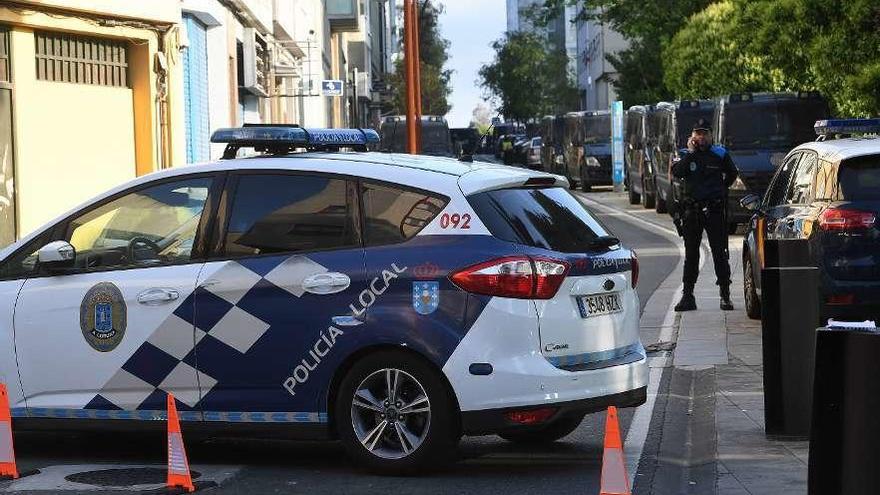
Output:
(217, 18)
(595, 73)
(312, 29)
(571, 39)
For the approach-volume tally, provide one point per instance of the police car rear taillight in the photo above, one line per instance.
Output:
(840, 220)
(517, 277)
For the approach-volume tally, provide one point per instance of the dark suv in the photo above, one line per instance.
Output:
(759, 129)
(672, 124)
(828, 193)
(638, 155)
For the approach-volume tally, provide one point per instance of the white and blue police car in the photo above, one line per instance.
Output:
(394, 302)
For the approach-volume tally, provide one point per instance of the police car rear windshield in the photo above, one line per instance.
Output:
(549, 218)
(779, 124)
(859, 179)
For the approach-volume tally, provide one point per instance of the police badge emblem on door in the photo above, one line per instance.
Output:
(103, 317)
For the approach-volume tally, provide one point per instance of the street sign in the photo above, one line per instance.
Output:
(331, 87)
(617, 145)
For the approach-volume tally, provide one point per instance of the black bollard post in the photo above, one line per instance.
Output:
(789, 317)
(845, 437)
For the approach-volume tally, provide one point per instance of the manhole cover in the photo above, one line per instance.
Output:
(123, 477)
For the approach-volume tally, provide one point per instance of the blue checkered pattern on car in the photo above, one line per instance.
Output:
(162, 364)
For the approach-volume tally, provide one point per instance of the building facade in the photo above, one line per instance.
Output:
(595, 74)
(96, 92)
(555, 31)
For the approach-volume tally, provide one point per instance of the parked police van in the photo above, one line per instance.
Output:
(759, 129)
(639, 155)
(394, 302)
(672, 127)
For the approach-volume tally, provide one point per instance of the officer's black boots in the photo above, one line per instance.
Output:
(726, 305)
(687, 301)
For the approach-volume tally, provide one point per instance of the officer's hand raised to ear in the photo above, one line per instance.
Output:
(691, 145)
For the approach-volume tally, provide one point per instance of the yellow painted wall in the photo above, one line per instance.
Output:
(152, 10)
(73, 141)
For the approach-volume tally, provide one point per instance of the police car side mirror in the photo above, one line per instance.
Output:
(56, 255)
(751, 202)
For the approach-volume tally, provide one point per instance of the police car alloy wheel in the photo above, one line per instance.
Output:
(394, 415)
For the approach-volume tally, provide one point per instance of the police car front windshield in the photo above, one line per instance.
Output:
(771, 125)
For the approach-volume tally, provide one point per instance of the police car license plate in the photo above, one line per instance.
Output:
(600, 304)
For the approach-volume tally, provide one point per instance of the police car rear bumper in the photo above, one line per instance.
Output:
(492, 421)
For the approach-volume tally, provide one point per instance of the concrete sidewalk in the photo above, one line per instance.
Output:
(712, 421)
(706, 433)
(748, 462)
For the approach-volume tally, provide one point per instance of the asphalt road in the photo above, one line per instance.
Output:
(487, 465)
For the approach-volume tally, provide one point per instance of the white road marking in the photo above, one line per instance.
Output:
(637, 433)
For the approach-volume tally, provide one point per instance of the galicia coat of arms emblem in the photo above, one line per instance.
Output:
(426, 297)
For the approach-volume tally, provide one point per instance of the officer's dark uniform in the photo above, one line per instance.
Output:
(706, 173)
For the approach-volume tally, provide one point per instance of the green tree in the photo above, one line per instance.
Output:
(526, 78)
(433, 55)
(775, 45)
(709, 56)
(647, 24)
(829, 45)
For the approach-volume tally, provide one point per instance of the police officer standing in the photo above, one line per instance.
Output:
(706, 171)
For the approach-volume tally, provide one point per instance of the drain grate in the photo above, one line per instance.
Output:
(123, 477)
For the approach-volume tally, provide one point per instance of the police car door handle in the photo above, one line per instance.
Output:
(157, 296)
(326, 283)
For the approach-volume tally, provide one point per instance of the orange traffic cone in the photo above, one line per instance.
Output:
(8, 469)
(178, 467)
(614, 479)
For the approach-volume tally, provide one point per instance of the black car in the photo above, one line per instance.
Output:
(672, 124)
(826, 192)
(759, 129)
(435, 135)
(639, 155)
(465, 140)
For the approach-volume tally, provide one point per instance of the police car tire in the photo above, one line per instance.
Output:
(585, 182)
(634, 197)
(552, 432)
(659, 203)
(753, 302)
(647, 200)
(439, 446)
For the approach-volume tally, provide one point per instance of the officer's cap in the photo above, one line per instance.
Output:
(703, 125)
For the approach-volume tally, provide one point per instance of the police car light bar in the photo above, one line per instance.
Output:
(847, 126)
(286, 138)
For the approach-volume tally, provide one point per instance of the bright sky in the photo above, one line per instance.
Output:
(470, 25)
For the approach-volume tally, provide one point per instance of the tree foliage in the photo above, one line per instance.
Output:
(433, 55)
(647, 24)
(690, 59)
(527, 78)
(772, 45)
(704, 48)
